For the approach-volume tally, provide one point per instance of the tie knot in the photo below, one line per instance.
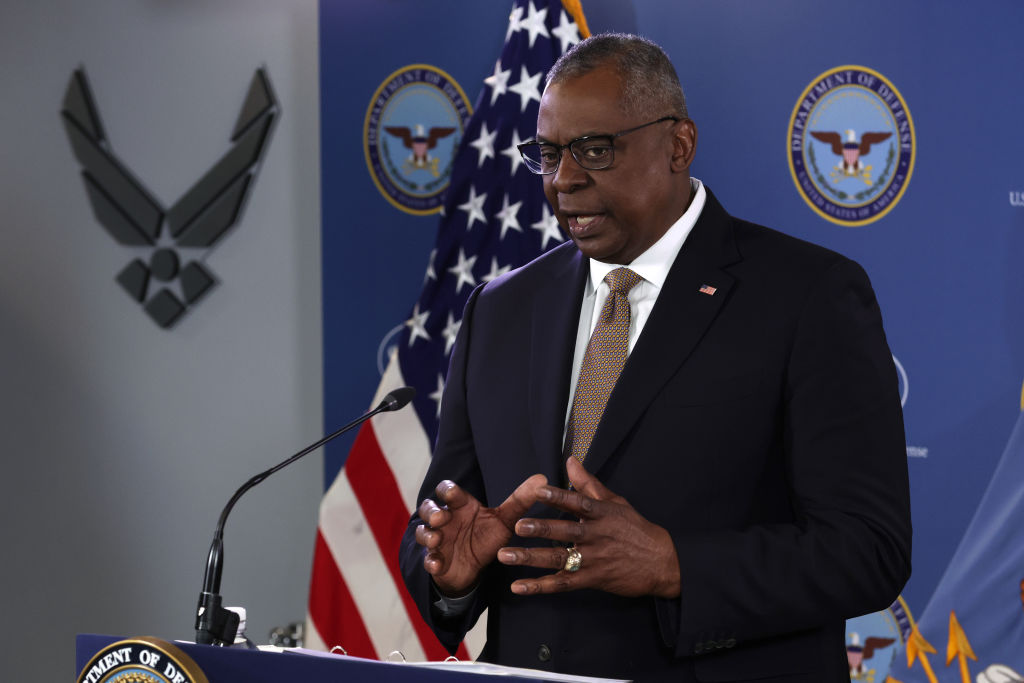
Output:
(621, 280)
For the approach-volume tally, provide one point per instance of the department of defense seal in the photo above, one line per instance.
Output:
(873, 642)
(412, 130)
(141, 660)
(851, 145)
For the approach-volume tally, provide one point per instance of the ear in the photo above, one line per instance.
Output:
(684, 145)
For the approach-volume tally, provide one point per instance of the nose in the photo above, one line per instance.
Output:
(569, 176)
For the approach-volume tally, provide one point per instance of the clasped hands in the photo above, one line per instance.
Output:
(623, 553)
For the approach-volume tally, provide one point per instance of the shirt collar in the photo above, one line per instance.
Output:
(653, 265)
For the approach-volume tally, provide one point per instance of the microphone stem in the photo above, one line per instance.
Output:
(214, 563)
(215, 624)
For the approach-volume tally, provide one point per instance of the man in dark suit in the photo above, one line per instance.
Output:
(743, 489)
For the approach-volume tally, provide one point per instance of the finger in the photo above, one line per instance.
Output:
(434, 562)
(452, 495)
(585, 482)
(552, 583)
(427, 538)
(570, 501)
(563, 530)
(545, 558)
(525, 495)
(432, 514)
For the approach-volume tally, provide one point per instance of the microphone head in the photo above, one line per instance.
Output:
(397, 399)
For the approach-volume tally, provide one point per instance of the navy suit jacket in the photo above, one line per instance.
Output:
(760, 425)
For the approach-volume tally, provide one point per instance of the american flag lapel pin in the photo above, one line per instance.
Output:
(708, 289)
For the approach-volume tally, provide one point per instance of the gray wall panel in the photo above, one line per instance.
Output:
(122, 441)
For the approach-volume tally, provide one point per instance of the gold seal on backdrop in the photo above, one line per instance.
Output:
(413, 127)
(851, 145)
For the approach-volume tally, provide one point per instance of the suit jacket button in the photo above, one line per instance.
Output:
(544, 653)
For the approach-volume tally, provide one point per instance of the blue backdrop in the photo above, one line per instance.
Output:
(945, 260)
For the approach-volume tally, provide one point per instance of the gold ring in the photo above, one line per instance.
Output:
(574, 561)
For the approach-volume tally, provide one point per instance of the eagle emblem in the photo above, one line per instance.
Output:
(850, 164)
(420, 142)
(857, 655)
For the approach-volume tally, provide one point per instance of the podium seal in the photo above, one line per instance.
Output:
(141, 660)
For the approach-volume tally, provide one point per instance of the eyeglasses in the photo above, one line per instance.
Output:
(592, 152)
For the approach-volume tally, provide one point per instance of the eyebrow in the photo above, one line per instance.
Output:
(595, 134)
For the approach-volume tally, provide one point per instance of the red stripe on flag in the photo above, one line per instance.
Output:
(381, 500)
(332, 608)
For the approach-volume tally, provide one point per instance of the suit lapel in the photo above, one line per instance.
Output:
(556, 315)
(676, 325)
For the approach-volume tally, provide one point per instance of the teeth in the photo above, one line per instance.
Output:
(584, 220)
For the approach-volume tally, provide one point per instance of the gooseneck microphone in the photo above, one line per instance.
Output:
(216, 625)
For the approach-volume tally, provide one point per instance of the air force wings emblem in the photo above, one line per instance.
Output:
(167, 274)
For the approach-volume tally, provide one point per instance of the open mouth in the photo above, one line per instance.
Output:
(582, 225)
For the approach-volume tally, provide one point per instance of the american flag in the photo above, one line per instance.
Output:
(495, 219)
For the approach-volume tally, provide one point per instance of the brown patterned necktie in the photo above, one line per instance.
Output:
(602, 363)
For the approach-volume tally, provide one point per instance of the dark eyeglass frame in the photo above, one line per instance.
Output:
(572, 146)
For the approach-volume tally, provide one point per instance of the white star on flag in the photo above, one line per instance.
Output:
(508, 213)
(512, 152)
(498, 81)
(496, 272)
(528, 87)
(548, 228)
(474, 206)
(438, 393)
(566, 31)
(451, 330)
(534, 23)
(431, 274)
(515, 22)
(464, 271)
(484, 144)
(417, 325)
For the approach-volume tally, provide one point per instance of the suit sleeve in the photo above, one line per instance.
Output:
(847, 552)
(454, 458)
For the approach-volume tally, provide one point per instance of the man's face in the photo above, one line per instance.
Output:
(615, 214)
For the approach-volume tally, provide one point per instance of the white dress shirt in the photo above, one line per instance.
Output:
(652, 265)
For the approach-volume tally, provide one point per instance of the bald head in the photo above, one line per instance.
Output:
(650, 85)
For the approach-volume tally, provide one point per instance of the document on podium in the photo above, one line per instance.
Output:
(467, 667)
(498, 670)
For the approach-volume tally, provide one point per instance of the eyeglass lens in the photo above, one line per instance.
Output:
(593, 154)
